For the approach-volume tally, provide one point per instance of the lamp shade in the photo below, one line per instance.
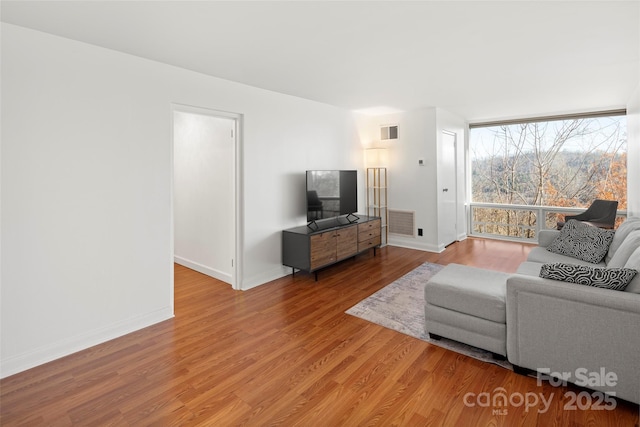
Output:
(376, 157)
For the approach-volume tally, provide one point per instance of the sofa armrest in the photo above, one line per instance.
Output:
(564, 327)
(545, 237)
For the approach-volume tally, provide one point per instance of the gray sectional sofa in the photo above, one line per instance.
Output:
(571, 328)
(590, 336)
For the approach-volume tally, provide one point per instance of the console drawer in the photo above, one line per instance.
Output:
(369, 230)
(363, 245)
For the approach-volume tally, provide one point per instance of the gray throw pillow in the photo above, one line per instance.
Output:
(608, 278)
(582, 241)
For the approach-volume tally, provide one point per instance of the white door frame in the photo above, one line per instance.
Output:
(237, 262)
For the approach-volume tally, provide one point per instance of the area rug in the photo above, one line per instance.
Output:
(400, 306)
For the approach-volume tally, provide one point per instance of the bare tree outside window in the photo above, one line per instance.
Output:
(566, 163)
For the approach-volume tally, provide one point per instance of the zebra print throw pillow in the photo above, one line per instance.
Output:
(608, 278)
(582, 241)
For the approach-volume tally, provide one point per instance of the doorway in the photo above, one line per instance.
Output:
(447, 191)
(205, 207)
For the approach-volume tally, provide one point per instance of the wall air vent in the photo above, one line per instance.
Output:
(388, 132)
(402, 223)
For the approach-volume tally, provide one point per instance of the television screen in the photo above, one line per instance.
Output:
(331, 193)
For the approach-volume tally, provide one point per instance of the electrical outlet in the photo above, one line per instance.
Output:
(419, 231)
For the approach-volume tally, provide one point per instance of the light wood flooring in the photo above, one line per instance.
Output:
(285, 353)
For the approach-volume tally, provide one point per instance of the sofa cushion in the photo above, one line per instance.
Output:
(582, 241)
(629, 225)
(529, 268)
(634, 262)
(546, 237)
(624, 251)
(615, 279)
(543, 256)
(470, 290)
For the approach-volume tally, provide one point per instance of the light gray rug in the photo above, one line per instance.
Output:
(400, 306)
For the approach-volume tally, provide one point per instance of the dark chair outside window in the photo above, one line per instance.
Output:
(601, 213)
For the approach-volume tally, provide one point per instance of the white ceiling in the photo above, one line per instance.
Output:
(482, 60)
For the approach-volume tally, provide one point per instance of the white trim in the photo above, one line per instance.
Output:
(415, 245)
(48, 353)
(239, 194)
(579, 114)
(211, 272)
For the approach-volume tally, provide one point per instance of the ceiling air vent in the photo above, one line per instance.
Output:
(388, 132)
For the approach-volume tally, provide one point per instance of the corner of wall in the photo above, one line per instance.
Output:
(264, 277)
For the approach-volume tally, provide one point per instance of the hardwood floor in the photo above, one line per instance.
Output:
(286, 354)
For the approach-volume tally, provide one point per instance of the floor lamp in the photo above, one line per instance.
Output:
(376, 161)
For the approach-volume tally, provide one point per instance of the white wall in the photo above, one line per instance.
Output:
(413, 187)
(633, 153)
(86, 187)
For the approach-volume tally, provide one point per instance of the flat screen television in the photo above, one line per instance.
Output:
(331, 193)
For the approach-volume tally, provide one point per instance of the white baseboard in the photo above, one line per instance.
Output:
(200, 268)
(15, 364)
(265, 277)
(403, 243)
(414, 245)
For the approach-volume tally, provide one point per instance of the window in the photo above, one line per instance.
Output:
(561, 162)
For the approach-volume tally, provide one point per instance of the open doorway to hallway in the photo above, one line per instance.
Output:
(205, 191)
